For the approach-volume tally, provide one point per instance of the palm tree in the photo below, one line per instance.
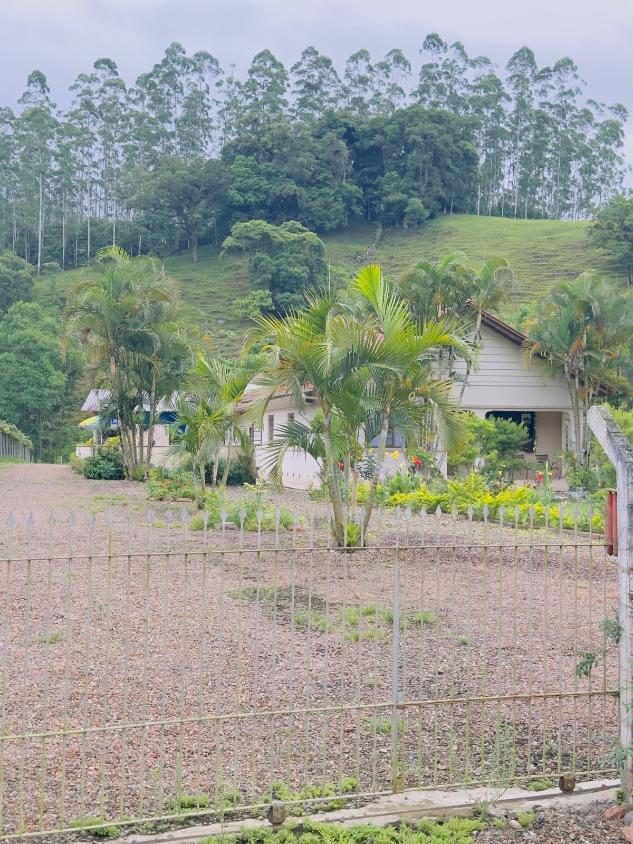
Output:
(435, 289)
(368, 365)
(585, 329)
(486, 291)
(198, 435)
(117, 316)
(225, 384)
(402, 382)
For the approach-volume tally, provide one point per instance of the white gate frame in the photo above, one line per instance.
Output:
(620, 452)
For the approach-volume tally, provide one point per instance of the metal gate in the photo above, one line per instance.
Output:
(150, 671)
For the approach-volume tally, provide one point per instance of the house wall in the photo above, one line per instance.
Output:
(159, 451)
(549, 433)
(501, 380)
(299, 470)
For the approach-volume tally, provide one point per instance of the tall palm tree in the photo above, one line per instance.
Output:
(198, 435)
(368, 365)
(402, 381)
(116, 312)
(585, 329)
(225, 383)
(486, 289)
(435, 289)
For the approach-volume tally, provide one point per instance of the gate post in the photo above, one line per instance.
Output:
(397, 783)
(620, 452)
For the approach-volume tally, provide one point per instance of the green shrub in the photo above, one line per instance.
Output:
(106, 464)
(103, 831)
(526, 819)
(216, 502)
(165, 485)
(240, 471)
(76, 463)
(541, 784)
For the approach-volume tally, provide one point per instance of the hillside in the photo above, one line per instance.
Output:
(540, 252)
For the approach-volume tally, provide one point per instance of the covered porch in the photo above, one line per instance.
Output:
(548, 438)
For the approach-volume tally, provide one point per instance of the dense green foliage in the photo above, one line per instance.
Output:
(16, 280)
(524, 506)
(284, 260)
(12, 431)
(613, 232)
(189, 149)
(36, 379)
(106, 464)
(452, 831)
(127, 321)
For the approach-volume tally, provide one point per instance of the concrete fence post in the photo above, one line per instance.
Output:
(620, 452)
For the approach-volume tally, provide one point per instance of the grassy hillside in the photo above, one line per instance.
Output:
(540, 252)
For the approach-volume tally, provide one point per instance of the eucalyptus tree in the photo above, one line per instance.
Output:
(444, 81)
(264, 92)
(35, 130)
(316, 86)
(390, 83)
(359, 81)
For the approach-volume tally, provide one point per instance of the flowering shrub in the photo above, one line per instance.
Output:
(473, 493)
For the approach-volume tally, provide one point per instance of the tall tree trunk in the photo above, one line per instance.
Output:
(194, 250)
(64, 232)
(39, 229)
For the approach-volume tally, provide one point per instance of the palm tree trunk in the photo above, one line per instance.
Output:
(380, 459)
(331, 480)
(227, 462)
(150, 422)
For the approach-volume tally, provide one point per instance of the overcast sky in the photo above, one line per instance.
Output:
(64, 37)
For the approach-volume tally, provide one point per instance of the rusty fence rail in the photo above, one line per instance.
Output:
(149, 670)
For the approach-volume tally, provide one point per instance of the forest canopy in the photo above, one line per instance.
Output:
(189, 149)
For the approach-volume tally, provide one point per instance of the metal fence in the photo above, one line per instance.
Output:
(10, 447)
(149, 670)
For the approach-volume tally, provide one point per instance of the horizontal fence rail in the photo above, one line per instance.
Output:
(149, 670)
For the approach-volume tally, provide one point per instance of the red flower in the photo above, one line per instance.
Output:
(539, 477)
(416, 461)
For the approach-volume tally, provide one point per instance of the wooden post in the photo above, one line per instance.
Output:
(620, 451)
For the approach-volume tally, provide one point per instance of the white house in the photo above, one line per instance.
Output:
(501, 384)
(97, 403)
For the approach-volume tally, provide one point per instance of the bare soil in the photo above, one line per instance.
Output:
(143, 662)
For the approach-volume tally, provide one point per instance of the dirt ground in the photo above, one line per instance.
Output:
(143, 662)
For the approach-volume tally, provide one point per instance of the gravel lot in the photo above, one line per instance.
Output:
(218, 669)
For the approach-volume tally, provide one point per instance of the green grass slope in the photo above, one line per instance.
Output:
(540, 252)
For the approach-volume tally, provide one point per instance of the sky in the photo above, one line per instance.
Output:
(63, 37)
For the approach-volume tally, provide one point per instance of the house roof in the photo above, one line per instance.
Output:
(504, 328)
(98, 398)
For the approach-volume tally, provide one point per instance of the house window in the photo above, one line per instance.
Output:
(256, 435)
(390, 442)
(291, 418)
(271, 429)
